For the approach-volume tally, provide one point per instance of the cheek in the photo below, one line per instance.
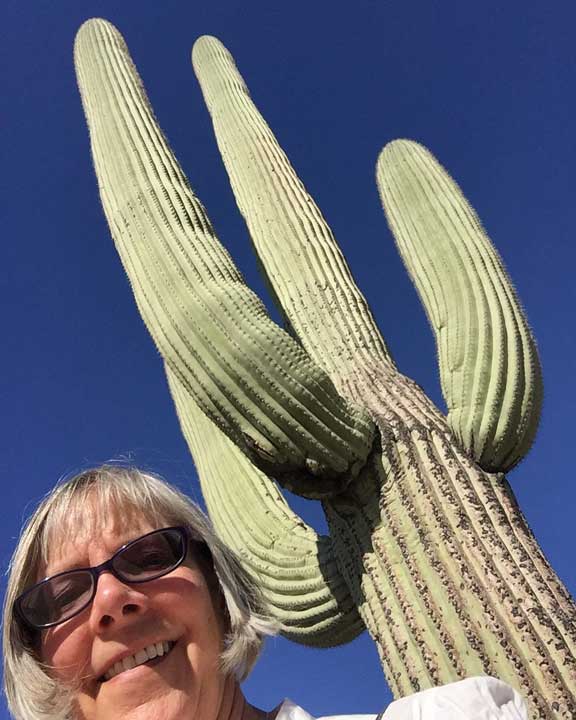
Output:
(203, 613)
(65, 653)
(204, 649)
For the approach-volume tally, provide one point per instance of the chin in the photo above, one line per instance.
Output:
(162, 692)
(169, 705)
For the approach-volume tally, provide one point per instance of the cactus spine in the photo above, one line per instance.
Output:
(427, 547)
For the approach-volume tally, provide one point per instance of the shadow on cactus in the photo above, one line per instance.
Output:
(427, 547)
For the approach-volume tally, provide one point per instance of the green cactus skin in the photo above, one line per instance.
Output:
(427, 548)
(489, 368)
(295, 566)
(319, 296)
(212, 329)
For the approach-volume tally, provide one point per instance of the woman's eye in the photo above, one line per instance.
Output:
(150, 559)
(65, 596)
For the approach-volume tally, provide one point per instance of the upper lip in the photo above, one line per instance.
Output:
(126, 653)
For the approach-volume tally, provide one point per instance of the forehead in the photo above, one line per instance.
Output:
(70, 534)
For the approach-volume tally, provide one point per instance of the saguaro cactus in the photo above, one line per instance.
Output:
(427, 547)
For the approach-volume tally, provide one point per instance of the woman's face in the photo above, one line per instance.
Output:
(125, 619)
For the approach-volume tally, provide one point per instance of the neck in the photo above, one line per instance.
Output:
(233, 705)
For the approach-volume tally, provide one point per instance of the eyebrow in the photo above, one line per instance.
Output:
(61, 568)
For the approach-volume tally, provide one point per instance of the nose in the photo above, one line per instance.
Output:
(116, 603)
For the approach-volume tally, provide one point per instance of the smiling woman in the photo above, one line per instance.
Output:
(122, 603)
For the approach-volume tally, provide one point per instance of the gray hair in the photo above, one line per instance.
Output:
(31, 693)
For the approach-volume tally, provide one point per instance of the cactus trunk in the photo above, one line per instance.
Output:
(447, 575)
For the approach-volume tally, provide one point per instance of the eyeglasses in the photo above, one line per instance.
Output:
(62, 596)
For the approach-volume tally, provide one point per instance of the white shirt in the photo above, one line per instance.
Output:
(477, 698)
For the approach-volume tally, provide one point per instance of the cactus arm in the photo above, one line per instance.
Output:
(489, 366)
(256, 382)
(295, 566)
(297, 249)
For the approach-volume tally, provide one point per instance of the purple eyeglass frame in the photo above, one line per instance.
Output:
(96, 571)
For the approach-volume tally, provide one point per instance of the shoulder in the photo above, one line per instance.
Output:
(471, 699)
(475, 698)
(290, 711)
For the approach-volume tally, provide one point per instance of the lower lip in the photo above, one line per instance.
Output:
(133, 673)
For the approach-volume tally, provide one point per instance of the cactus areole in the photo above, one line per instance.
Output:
(427, 547)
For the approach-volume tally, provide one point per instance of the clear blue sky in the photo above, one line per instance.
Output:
(488, 87)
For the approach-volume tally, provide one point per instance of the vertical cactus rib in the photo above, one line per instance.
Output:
(489, 367)
(303, 263)
(293, 564)
(246, 373)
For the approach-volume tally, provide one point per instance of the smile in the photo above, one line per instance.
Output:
(150, 652)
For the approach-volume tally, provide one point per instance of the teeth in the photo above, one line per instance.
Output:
(142, 656)
(129, 662)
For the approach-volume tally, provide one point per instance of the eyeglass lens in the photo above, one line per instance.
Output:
(147, 558)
